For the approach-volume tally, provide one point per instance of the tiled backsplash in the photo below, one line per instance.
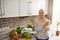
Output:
(16, 21)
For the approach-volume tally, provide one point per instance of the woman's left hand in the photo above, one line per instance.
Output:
(46, 24)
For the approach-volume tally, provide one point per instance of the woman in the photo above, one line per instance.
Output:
(41, 26)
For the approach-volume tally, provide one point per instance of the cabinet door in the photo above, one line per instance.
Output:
(11, 8)
(32, 7)
(36, 5)
(23, 8)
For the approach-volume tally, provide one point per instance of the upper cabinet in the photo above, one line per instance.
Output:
(36, 5)
(23, 7)
(31, 7)
(16, 8)
(10, 8)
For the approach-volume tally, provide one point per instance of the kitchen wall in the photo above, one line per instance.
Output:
(16, 21)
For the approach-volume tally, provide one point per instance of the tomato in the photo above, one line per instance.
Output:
(11, 37)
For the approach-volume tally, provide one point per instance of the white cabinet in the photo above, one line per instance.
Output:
(37, 5)
(27, 7)
(23, 7)
(31, 7)
(16, 8)
(10, 8)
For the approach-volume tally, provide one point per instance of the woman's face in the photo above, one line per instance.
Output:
(41, 13)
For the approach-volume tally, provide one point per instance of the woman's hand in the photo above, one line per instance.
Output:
(45, 25)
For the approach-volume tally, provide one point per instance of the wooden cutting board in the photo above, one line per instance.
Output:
(23, 39)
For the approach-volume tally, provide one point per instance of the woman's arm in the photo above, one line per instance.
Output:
(41, 32)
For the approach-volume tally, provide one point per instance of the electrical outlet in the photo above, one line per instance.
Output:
(1, 29)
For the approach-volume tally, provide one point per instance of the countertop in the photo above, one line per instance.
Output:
(6, 37)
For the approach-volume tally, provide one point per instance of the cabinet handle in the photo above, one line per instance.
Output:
(3, 14)
(3, 8)
(0, 14)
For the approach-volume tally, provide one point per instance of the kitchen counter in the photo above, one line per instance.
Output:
(6, 37)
